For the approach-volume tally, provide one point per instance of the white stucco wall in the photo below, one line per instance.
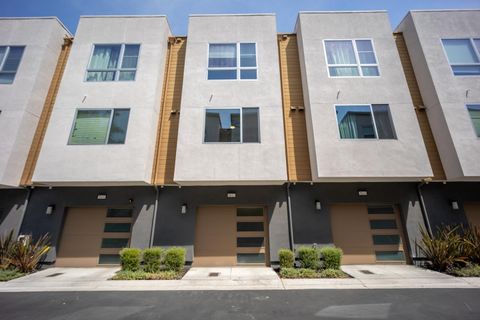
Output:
(335, 159)
(198, 163)
(123, 164)
(445, 95)
(22, 101)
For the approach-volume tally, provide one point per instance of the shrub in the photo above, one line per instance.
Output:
(26, 254)
(332, 273)
(142, 275)
(292, 273)
(130, 259)
(332, 257)
(442, 250)
(286, 258)
(309, 257)
(6, 275)
(152, 259)
(471, 270)
(174, 259)
(6, 247)
(470, 244)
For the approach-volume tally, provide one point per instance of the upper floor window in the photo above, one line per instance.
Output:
(474, 111)
(232, 61)
(365, 122)
(117, 62)
(10, 57)
(351, 58)
(463, 56)
(232, 125)
(100, 126)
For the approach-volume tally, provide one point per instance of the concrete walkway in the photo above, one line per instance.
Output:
(240, 278)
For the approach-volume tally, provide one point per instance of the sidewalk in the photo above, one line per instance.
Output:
(240, 278)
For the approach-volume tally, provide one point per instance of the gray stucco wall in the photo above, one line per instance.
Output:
(12, 208)
(175, 229)
(37, 223)
(312, 226)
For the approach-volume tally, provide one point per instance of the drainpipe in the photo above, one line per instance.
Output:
(290, 223)
(27, 200)
(423, 208)
(154, 218)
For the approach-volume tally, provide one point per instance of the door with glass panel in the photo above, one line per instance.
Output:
(252, 237)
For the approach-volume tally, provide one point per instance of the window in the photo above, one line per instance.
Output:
(113, 62)
(232, 125)
(474, 111)
(100, 126)
(463, 56)
(10, 57)
(351, 58)
(365, 122)
(232, 61)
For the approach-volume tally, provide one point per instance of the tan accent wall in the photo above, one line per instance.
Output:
(432, 151)
(46, 113)
(472, 210)
(298, 160)
(166, 146)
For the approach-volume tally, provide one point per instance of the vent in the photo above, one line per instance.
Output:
(380, 209)
(214, 274)
(366, 271)
(54, 275)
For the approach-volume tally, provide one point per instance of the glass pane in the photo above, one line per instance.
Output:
(222, 74)
(364, 45)
(367, 57)
(101, 76)
(90, 127)
(3, 50)
(250, 125)
(466, 70)
(380, 209)
(477, 44)
(222, 55)
(109, 259)
(383, 121)
(13, 59)
(370, 71)
(343, 71)
(460, 51)
(248, 74)
(355, 122)
(126, 76)
(130, 56)
(249, 212)
(383, 224)
(119, 213)
(105, 57)
(340, 52)
(6, 78)
(117, 227)
(254, 242)
(386, 239)
(118, 129)
(389, 255)
(474, 111)
(114, 242)
(248, 55)
(249, 226)
(251, 258)
(222, 125)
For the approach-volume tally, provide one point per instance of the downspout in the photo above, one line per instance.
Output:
(290, 222)
(27, 200)
(154, 218)
(423, 208)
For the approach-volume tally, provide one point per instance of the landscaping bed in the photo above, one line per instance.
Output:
(10, 274)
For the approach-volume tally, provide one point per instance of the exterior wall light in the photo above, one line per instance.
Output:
(454, 205)
(231, 194)
(362, 193)
(50, 209)
(184, 208)
(101, 196)
(318, 205)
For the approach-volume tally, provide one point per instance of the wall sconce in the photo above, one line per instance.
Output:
(318, 205)
(50, 209)
(231, 194)
(362, 193)
(454, 204)
(184, 208)
(101, 196)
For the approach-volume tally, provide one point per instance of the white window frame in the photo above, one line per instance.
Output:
(241, 125)
(471, 120)
(373, 120)
(358, 65)
(112, 111)
(119, 65)
(2, 63)
(237, 68)
(477, 52)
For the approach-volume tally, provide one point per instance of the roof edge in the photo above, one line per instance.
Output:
(229, 14)
(40, 18)
(340, 12)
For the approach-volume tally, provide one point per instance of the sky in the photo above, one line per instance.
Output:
(177, 11)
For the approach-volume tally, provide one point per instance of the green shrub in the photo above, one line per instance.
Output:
(152, 259)
(174, 259)
(130, 259)
(309, 257)
(471, 270)
(470, 244)
(331, 257)
(6, 275)
(292, 273)
(142, 275)
(286, 258)
(26, 254)
(6, 247)
(333, 273)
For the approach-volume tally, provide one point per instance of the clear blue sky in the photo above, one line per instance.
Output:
(178, 10)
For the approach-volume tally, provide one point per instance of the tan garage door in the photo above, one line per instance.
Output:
(229, 236)
(472, 210)
(368, 234)
(94, 236)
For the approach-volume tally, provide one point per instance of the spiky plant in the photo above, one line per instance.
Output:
(470, 245)
(26, 253)
(7, 243)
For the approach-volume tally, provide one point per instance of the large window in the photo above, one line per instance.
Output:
(231, 61)
(232, 125)
(474, 111)
(365, 122)
(10, 58)
(463, 56)
(351, 58)
(100, 126)
(113, 62)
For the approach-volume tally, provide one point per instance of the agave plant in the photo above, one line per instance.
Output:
(26, 254)
(470, 245)
(6, 246)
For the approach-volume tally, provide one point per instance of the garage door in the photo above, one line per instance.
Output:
(229, 236)
(94, 236)
(472, 210)
(368, 234)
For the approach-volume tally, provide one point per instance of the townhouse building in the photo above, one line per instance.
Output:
(235, 141)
